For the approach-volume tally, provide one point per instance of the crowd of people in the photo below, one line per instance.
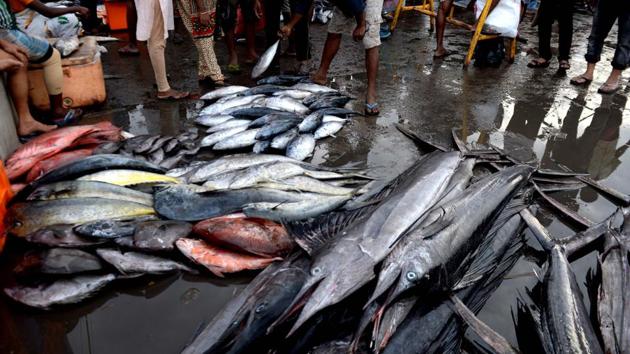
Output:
(151, 20)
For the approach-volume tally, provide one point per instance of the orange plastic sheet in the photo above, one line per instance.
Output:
(5, 195)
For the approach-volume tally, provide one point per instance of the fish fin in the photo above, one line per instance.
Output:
(461, 145)
(563, 209)
(418, 140)
(216, 272)
(312, 234)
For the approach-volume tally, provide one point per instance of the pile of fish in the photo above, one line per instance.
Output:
(283, 113)
(408, 269)
(164, 150)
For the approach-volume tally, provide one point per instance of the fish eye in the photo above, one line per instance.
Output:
(17, 224)
(411, 276)
(316, 271)
(261, 308)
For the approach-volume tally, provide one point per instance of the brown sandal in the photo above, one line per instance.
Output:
(580, 81)
(608, 89)
(172, 95)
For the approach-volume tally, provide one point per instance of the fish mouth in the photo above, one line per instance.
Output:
(298, 303)
(385, 283)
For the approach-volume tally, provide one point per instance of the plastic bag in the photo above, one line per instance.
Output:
(5, 196)
(504, 18)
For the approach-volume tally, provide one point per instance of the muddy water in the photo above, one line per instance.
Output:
(527, 112)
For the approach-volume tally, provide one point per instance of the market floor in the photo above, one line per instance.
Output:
(527, 112)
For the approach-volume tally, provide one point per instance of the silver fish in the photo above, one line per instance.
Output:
(281, 141)
(310, 123)
(301, 147)
(222, 92)
(232, 123)
(327, 129)
(222, 107)
(314, 88)
(237, 141)
(307, 184)
(286, 104)
(134, 262)
(265, 60)
(213, 139)
(297, 210)
(261, 146)
(295, 94)
(61, 292)
(212, 120)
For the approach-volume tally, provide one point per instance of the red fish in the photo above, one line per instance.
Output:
(47, 145)
(106, 132)
(51, 163)
(219, 260)
(253, 235)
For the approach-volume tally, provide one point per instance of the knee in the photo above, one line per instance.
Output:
(445, 6)
(156, 44)
(54, 60)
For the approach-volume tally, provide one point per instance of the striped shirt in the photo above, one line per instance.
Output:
(7, 20)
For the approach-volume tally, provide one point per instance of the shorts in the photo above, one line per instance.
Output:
(460, 3)
(341, 24)
(226, 12)
(38, 50)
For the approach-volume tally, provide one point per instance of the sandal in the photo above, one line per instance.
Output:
(581, 81)
(172, 95)
(234, 69)
(128, 51)
(71, 117)
(538, 63)
(371, 109)
(608, 89)
(564, 65)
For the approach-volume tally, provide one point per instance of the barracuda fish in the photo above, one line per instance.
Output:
(222, 92)
(238, 141)
(348, 263)
(562, 320)
(265, 60)
(222, 108)
(286, 104)
(89, 189)
(58, 261)
(232, 123)
(26, 218)
(61, 292)
(134, 262)
(129, 177)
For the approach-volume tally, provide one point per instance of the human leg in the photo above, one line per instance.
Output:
(443, 9)
(331, 47)
(621, 60)
(132, 19)
(372, 42)
(565, 26)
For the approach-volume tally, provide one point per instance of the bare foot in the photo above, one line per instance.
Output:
(440, 53)
(319, 78)
(30, 126)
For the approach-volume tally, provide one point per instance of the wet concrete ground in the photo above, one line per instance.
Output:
(528, 112)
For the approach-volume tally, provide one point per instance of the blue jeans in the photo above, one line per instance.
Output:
(38, 50)
(607, 12)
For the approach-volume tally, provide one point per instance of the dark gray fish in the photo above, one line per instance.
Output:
(62, 236)
(562, 320)
(275, 128)
(254, 112)
(89, 165)
(171, 146)
(146, 145)
(268, 118)
(58, 261)
(125, 242)
(60, 292)
(110, 228)
(339, 112)
(285, 80)
(131, 144)
(281, 141)
(134, 262)
(329, 102)
(318, 96)
(160, 235)
(107, 148)
(184, 204)
(173, 161)
(261, 146)
(310, 123)
(266, 89)
(159, 144)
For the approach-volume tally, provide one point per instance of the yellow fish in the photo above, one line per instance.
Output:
(129, 177)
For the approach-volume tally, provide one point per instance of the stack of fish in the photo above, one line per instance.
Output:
(283, 114)
(100, 226)
(164, 150)
(426, 250)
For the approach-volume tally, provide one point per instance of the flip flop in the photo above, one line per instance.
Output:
(538, 63)
(70, 118)
(564, 65)
(371, 109)
(175, 95)
(580, 81)
(608, 89)
(126, 51)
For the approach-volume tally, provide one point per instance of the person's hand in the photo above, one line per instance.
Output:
(205, 18)
(359, 32)
(19, 53)
(285, 31)
(258, 9)
(82, 11)
(10, 64)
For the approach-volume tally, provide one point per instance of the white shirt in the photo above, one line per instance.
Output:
(145, 10)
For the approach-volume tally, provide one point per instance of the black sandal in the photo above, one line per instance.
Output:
(538, 63)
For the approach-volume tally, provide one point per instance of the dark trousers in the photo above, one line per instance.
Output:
(91, 22)
(550, 11)
(272, 20)
(301, 36)
(607, 12)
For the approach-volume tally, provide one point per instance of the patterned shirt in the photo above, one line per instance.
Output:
(7, 20)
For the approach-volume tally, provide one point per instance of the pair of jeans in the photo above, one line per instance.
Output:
(550, 11)
(300, 35)
(607, 12)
